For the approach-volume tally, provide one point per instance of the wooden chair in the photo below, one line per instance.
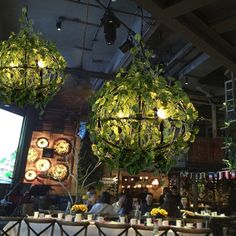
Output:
(123, 227)
(13, 223)
(192, 231)
(138, 228)
(43, 224)
(82, 227)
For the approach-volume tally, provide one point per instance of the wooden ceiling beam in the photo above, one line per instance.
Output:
(185, 7)
(216, 47)
(225, 25)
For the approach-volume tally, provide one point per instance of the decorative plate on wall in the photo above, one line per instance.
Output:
(32, 155)
(30, 175)
(42, 142)
(59, 172)
(62, 146)
(43, 165)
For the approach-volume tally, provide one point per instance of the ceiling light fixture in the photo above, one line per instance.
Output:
(59, 24)
(110, 23)
(186, 80)
(31, 68)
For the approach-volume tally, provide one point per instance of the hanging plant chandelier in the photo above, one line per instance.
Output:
(139, 121)
(31, 68)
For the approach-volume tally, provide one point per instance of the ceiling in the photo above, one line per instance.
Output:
(195, 39)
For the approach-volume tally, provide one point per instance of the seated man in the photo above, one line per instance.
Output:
(92, 198)
(147, 205)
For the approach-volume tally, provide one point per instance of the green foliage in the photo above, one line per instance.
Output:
(138, 121)
(230, 160)
(31, 68)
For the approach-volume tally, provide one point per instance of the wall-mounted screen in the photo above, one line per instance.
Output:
(10, 131)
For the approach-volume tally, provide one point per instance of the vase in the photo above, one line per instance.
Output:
(78, 217)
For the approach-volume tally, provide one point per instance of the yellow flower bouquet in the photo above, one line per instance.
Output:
(158, 212)
(79, 208)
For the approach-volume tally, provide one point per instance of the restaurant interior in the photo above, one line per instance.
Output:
(117, 117)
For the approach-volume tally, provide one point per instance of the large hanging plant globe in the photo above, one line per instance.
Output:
(139, 121)
(31, 68)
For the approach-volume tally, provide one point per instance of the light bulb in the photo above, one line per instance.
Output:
(41, 64)
(12, 64)
(161, 113)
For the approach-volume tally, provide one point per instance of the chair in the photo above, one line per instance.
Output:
(101, 226)
(83, 227)
(43, 224)
(192, 231)
(10, 223)
(138, 228)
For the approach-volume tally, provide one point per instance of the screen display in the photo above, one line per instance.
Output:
(10, 130)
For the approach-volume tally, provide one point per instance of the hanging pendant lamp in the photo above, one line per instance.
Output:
(139, 121)
(31, 68)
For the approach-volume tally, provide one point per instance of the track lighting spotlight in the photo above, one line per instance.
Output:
(186, 80)
(128, 44)
(58, 24)
(110, 23)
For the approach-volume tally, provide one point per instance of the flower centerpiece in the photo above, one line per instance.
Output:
(79, 208)
(158, 212)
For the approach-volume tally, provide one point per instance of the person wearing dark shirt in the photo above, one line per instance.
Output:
(147, 205)
(171, 206)
(176, 194)
(165, 191)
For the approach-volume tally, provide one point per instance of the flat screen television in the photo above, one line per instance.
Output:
(10, 131)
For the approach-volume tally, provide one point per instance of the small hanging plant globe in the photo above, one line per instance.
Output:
(140, 121)
(31, 68)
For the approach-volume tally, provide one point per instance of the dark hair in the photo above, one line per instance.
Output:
(105, 197)
(174, 187)
(149, 194)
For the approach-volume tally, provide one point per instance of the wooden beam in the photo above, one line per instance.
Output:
(225, 25)
(217, 49)
(185, 7)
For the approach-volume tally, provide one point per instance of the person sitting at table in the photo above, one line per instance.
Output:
(170, 205)
(165, 191)
(147, 205)
(92, 198)
(120, 205)
(185, 204)
(103, 207)
(176, 194)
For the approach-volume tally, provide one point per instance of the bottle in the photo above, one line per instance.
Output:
(155, 231)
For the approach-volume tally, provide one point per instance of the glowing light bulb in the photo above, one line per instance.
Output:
(155, 182)
(161, 113)
(41, 64)
(12, 64)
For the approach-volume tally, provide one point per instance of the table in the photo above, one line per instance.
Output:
(92, 231)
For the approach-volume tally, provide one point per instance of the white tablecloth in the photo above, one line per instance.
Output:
(92, 230)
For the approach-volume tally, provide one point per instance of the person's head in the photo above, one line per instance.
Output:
(92, 197)
(149, 198)
(168, 197)
(122, 198)
(166, 190)
(105, 197)
(184, 201)
(91, 189)
(174, 190)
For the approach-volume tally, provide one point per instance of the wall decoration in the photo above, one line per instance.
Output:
(59, 172)
(62, 146)
(30, 175)
(42, 142)
(43, 165)
(32, 155)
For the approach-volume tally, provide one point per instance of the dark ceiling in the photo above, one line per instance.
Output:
(193, 38)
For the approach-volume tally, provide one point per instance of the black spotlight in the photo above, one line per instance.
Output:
(58, 24)
(186, 81)
(110, 23)
(127, 45)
